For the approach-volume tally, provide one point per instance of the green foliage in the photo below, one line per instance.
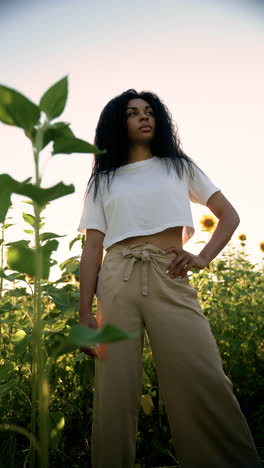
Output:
(69, 144)
(46, 384)
(41, 336)
(54, 99)
(57, 130)
(17, 110)
(231, 294)
(21, 258)
(42, 196)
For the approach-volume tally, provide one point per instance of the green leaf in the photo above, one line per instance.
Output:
(59, 295)
(7, 307)
(83, 336)
(22, 243)
(21, 258)
(42, 196)
(69, 261)
(20, 346)
(21, 340)
(6, 226)
(18, 336)
(59, 129)
(69, 145)
(57, 423)
(28, 231)
(8, 386)
(73, 267)
(6, 370)
(54, 99)
(17, 110)
(29, 219)
(49, 235)
(72, 242)
(18, 292)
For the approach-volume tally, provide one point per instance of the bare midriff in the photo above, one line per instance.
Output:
(171, 237)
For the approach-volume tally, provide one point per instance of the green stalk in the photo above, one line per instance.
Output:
(40, 389)
(1, 279)
(2, 259)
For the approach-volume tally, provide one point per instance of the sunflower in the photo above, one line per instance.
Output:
(261, 246)
(208, 223)
(242, 237)
(30, 279)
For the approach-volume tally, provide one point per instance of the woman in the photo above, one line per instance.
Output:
(142, 218)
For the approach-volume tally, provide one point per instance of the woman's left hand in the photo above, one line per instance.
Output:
(184, 262)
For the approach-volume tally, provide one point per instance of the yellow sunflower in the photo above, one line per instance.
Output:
(261, 246)
(208, 223)
(30, 279)
(242, 237)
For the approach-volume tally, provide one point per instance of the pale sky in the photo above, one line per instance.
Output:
(203, 58)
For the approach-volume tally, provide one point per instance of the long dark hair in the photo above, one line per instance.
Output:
(111, 135)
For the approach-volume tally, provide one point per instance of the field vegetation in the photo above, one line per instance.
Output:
(46, 383)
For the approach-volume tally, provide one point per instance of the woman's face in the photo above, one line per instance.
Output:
(139, 114)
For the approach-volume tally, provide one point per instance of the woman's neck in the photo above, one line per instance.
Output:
(138, 153)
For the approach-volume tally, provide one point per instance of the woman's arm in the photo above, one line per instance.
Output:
(227, 224)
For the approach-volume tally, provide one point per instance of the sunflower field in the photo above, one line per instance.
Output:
(46, 383)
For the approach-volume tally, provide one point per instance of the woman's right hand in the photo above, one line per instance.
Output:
(89, 321)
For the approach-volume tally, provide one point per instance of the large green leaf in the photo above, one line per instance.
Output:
(83, 336)
(17, 110)
(18, 336)
(59, 129)
(6, 370)
(18, 292)
(21, 258)
(57, 422)
(8, 386)
(7, 307)
(54, 99)
(42, 196)
(59, 295)
(21, 340)
(69, 145)
(12, 277)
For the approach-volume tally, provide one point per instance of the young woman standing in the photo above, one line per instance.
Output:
(142, 219)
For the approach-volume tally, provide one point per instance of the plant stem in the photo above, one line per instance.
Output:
(40, 390)
(1, 279)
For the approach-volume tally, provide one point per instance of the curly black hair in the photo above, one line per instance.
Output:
(111, 135)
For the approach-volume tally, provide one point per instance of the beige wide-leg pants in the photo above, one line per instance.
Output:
(207, 425)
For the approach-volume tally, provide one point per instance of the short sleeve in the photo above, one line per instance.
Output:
(200, 187)
(93, 215)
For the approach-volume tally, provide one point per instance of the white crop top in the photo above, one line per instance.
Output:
(144, 199)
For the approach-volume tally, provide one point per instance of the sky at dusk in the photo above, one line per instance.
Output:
(204, 59)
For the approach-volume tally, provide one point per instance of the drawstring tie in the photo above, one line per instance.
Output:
(135, 255)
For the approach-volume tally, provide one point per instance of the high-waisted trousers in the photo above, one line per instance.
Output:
(207, 425)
